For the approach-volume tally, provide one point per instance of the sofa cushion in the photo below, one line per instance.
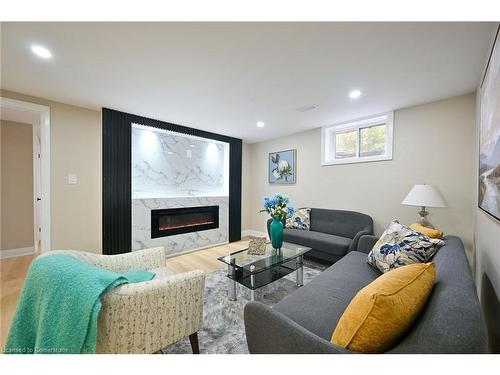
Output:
(318, 305)
(399, 246)
(339, 222)
(319, 241)
(452, 320)
(429, 232)
(385, 309)
(300, 219)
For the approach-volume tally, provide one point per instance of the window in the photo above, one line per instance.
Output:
(364, 140)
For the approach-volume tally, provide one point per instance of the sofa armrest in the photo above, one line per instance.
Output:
(270, 332)
(145, 259)
(355, 240)
(147, 316)
(366, 243)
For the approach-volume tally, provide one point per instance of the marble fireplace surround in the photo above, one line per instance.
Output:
(172, 170)
(141, 224)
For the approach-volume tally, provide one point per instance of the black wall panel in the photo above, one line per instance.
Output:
(117, 177)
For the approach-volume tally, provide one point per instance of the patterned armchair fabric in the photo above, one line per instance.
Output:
(148, 316)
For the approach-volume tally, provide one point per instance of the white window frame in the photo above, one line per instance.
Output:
(328, 139)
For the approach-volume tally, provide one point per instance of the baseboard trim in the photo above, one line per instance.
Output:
(12, 253)
(194, 250)
(251, 232)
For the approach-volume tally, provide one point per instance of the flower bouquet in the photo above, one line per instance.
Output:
(278, 210)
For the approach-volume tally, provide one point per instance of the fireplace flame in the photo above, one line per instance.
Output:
(186, 225)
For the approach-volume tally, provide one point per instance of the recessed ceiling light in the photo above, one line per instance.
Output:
(41, 52)
(170, 152)
(354, 94)
(191, 145)
(260, 124)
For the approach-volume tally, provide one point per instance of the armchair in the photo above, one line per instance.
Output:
(148, 316)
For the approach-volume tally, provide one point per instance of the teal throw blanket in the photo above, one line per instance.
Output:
(59, 304)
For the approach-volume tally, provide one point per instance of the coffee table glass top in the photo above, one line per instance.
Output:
(271, 258)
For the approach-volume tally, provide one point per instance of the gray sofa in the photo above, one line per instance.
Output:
(333, 233)
(303, 322)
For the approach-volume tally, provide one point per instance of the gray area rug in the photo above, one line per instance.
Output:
(223, 330)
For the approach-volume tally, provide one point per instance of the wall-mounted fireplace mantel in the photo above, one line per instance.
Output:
(172, 221)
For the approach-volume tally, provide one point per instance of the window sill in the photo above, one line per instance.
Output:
(355, 160)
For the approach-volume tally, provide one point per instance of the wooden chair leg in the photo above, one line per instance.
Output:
(193, 339)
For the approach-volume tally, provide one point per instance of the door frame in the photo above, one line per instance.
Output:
(37, 186)
(44, 115)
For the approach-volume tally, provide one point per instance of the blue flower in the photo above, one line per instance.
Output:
(267, 203)
(290, 210)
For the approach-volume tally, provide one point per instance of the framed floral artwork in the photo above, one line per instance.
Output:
(282, 167)
(489, 137)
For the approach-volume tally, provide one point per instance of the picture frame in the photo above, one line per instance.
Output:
(282, 167)
(489, 137)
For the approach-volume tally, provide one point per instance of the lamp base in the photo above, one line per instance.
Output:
(422, 220)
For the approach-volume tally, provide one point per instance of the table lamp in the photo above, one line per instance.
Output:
(424, 196)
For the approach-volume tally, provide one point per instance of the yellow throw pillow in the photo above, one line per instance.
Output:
(429, 232)
(383, 310)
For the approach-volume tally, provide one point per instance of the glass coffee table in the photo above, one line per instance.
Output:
(255, 271)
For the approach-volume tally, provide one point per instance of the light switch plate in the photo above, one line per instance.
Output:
(72, 179)
(189, 153)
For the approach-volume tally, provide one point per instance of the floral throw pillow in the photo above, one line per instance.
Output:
(399, 246)
(301, 219)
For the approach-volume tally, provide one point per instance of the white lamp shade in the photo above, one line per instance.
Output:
(424, 195)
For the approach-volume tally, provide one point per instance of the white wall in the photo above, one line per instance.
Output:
(433, 143)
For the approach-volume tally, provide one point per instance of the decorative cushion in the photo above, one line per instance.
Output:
(381, 312)
(257, 246)
(399, 246)
(429, 232)
(301, 219)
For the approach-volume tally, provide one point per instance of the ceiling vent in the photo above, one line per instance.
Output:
(307, 108)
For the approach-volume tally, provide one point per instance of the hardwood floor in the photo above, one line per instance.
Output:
(205, 260)
(13, 272)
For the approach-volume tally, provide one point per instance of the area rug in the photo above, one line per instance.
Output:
(223, 330)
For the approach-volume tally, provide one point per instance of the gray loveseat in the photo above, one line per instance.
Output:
(333, 233)
(303, 322)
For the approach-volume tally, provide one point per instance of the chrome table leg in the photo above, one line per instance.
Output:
(231, 284)
(252, 282)
(300, 271)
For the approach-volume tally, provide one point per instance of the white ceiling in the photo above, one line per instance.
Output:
(224, 77)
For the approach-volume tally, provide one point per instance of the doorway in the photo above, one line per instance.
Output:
(25, 178)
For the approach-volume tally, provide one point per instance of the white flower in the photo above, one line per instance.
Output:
(282, 165)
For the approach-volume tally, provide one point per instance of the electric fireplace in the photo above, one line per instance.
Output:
(171, 221)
